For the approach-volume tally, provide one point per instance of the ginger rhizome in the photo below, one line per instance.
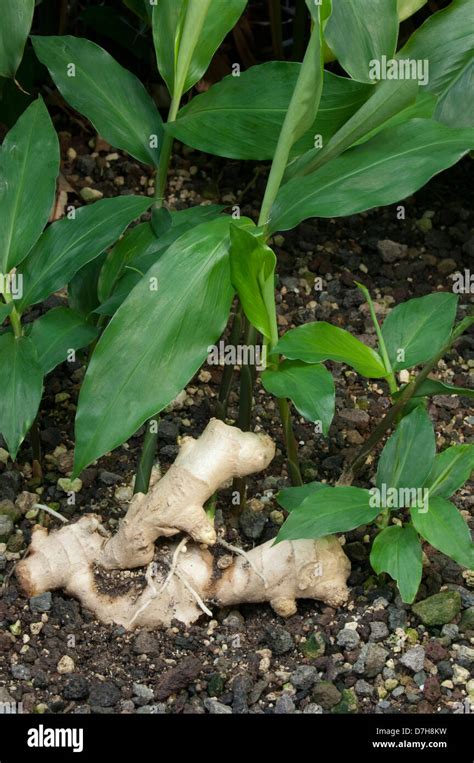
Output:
(182, 578)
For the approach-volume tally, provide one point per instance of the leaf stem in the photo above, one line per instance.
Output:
(392, 383)
(15, 317)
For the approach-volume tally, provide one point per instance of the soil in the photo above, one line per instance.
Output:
(250, 660)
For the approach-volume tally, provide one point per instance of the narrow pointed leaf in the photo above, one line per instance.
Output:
(136, 368)
(445, 529)
(388, 99)
(408, 454)
(432, 387)
(16, 17)
(416, 330)
(451, 469)
(111, 97)
(186, 36)
(69, 244)
(318, 341)
(21, 382)
(385, 169)
(58, 332)
(397, 550)
(329, 510)
(29, 159)
(360, 32)
(252, 270)
(309, 386)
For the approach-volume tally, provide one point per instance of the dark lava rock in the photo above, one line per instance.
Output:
(252, 523)
(104, 694)
(77, 687)
(278, 639)
(445, 670)
(240, 688)
(41, 603)
(146, 643)
(397, 618)
(109, 478)
(10, 485)
(432, 689)
(178, 678)
(326, 694)
(371, 660)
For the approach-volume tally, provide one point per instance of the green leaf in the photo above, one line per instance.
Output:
(431, 387)
(456, 105)
(451, 469)
(16, 16)
(252, 268)
(186, 36)
(383, 170)
(318, 341)
(82, 289)
(241, 117)
(21, 382)
(161, 221)
(446, 41)
(408, 454)
(397, 550)
(329, 510)
(292, 497)
(360, 32)
(415, 331)
(445, 529)
(167, 333)
(69, 244)
(407, 8)
(140, 248)
(388, 99)
(29, 165)
(5, 311)
(57, 333)
(111, 97)
(309, 386)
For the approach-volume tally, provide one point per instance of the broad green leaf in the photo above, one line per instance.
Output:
(186, 36)
(451, 469)
(408, 454)
(241, 117)
(69, 244)
(445, 529)
(16, 17)
(431, 387)
(139, 249)
(5, 311)
(29, 165)
(329, 510)
(416, 330)
(111, 97)
(292, 497)
(456, 105)
(388, 99)
(446, 41)
(21, 382)
(166, 333)
(361, 32)
(318, 341)
(397, 550)
(252, 272)
(58, 332)
(161, 221)
(385, 169)
(309, 386)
